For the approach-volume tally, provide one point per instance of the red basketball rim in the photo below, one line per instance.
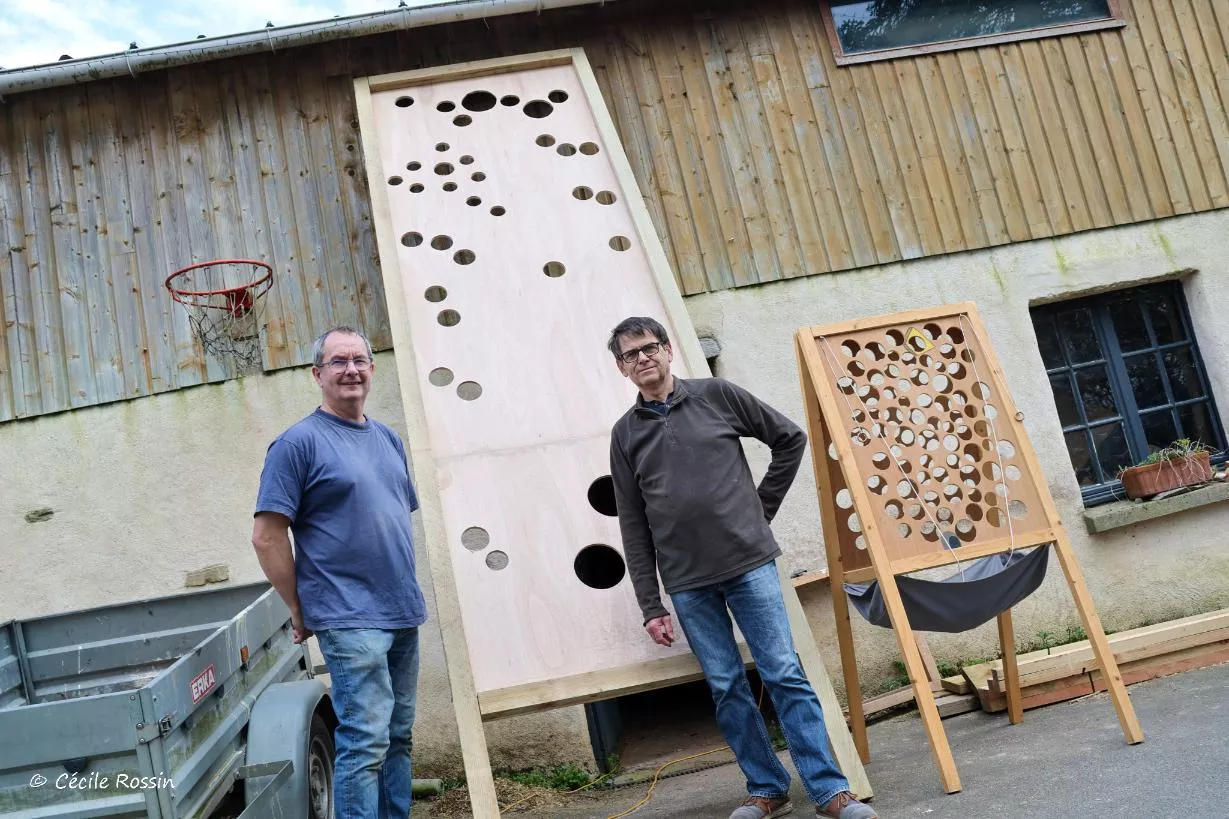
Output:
(229, 294)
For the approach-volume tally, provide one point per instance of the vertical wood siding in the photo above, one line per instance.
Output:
(759, 158)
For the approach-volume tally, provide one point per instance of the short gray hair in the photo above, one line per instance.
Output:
(635, 326)
(318, 344)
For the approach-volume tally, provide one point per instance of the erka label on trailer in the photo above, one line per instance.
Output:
(203, 683)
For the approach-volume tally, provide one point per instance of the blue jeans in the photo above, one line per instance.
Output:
(755, 601)
(375, 681)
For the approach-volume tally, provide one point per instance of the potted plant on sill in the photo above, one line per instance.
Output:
(1182, 463)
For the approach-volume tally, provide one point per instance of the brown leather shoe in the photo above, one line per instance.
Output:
(762, 807)
(845, 806)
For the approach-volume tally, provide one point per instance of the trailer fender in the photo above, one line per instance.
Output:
(284, 720)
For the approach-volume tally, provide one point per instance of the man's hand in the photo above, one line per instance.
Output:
(661, 629)
(301, 632)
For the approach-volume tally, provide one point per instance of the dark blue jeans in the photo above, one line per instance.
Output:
(757, 605)
(375, 682)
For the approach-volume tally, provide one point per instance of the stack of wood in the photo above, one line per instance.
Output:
(1069, 671)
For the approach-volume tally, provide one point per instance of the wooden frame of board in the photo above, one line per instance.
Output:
(473, 706)
(867, 394)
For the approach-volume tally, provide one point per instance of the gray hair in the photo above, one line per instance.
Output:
(318, 344)
(635, 326)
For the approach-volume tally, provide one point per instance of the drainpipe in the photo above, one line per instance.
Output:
(140, 60)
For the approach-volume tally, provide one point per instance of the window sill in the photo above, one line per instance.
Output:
(1116, 515)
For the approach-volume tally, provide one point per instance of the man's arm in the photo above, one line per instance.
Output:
(638, 547)
(271, 539)
(786, 439)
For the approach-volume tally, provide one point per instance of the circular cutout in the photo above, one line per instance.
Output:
(461, 120)
(475, 538)
(850, 348)
(620, 243)
(538, 109)
(498, 210)
(478, 101)
(1007, 449)
(854, 523)
(599, 566)
(449, 318)
(444, 168)
(557, 96)
(447, 106)
(469, 390)
(844, 499)
(450, 186)
(411, 239)
(589, 148)
(606, 198)
(478, 176)
(602, 497)
(1017, 509)
(404, 102)
(417, 187)
(440, 377)
(554, 269)
(981, 390)
(441, 242)
(893, 509)
(435, 293)
(860, 542)
(464, 257)
(995, 517)
(395, 180)
(510, 100)
(473, 201)
(466, 160)
(497, 560)
(566, 149)
(413, 166)
(441, 146)
(582, 193)
(545, 140)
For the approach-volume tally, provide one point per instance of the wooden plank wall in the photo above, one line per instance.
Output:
(760, 160)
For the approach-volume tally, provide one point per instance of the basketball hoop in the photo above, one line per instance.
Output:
(225, 303)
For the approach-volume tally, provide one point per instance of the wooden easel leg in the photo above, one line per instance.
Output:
(1011, 672)
(849, 669)
(1096, 637)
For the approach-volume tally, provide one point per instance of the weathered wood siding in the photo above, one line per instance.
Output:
(760, 160)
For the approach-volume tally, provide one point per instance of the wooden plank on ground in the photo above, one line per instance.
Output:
(957, 684)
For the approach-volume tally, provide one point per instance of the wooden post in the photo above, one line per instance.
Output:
(1011, 673)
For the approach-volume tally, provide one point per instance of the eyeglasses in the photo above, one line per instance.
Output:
(650, 350)
(340, 365)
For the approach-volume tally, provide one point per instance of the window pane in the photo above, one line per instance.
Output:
(870, 25)
(1047, 340)
(1159, 429)
(1081, 458)
(1112, 450)
(1197, 424)
(1129, 324)
(1184, 379)
(1078, 336)
(1166, 321)
(1064, 399)
(1095, 393)
(1146, 381)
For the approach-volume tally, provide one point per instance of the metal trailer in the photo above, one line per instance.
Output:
(161, 708)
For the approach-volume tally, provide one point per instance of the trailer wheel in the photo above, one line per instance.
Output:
(319, 770)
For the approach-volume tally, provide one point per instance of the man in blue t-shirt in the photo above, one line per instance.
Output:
(340, 482)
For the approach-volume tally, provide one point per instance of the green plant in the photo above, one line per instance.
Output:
(1178, 450)
(775, 735)
(565, 777)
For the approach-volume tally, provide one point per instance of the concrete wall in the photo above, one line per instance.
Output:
(1157, 570)
(146, 490)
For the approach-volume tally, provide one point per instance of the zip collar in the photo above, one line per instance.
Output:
(679, 394)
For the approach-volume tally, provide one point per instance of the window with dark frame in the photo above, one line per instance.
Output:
(1127, 379)
(866, 30)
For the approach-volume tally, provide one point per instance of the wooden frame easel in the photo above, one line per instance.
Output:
(435, 469)
(886, 360)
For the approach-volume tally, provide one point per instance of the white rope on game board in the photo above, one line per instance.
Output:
(1011, 532)
(917, 491)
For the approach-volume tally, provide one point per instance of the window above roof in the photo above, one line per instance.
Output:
(866, 30)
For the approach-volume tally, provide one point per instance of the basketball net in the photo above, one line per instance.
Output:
(226, 308)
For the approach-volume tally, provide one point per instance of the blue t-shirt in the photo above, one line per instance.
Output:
(346, 489)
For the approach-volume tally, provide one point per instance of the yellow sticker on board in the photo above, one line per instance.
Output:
(917, 341)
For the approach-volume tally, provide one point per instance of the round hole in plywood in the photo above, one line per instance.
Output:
(856, 368)
(509, 100)
(602, 497)
(589, 148)
(1013, 472)
(466, 160)
(967, 356)
(876, 350)
(435, 293)
(965, 530)
(545, 140)
(417, 187)
(411, 239)
(404, 102)
(599, 566)
(478, 101)
(449, 318)
(395, 180)
(854, 523)
(973, 511)
(849, 348)
(557, 96)
(981, 390)
(876, 484)
(441, 146)
(895, 337)
(478, 176)
(904, 488)
(582, 193)
(554, 269)
(902, 530)
(538, 109)
(860, 542)
(844, 499)
(498, 210)
(440, 377)
(475, 539)
(464, 257)
(469, 390)
(447, 106)
(566, 149)
(956, 335)
(893, 509)
(473, 201)
(1017, 509)
(834, 455)
(444, 168)
(879, 459)
(996, 517)
(620, 243)
(413, 166)
(441, 242)
(450, 186)
(461, 120)
(497, 560)
(606, 198)
(1007, 449)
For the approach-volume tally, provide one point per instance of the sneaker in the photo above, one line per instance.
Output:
(762, 807)
(845, 806)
